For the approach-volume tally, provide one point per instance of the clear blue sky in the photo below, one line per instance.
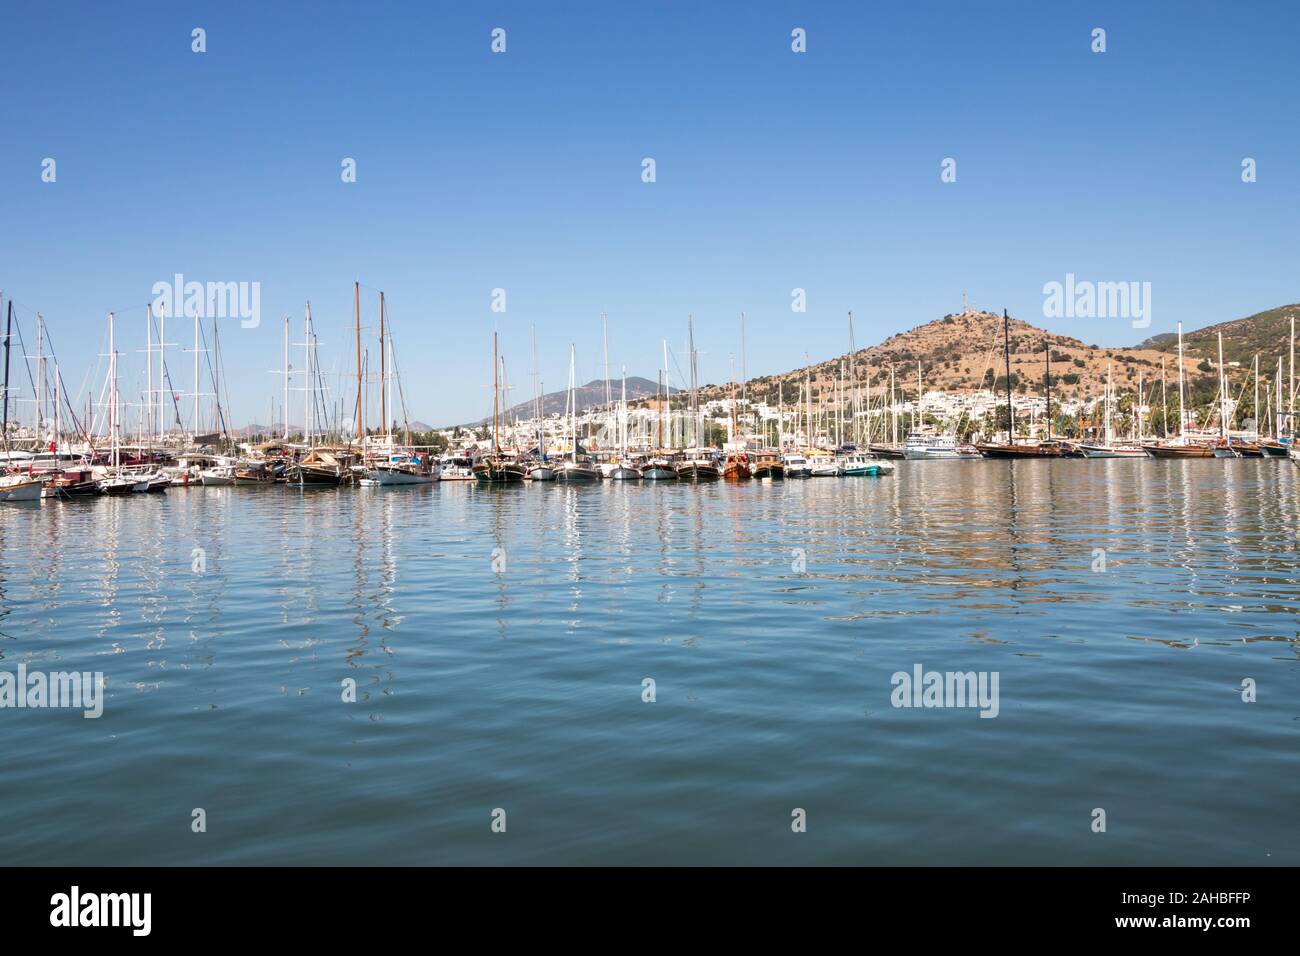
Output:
(775, 170)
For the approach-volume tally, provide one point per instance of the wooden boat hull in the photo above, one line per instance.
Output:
(494, 473)
(577, 473)
(626, 473)
(1111, 451)
(886, 451)
(658, 473)
(736, 471)
(1273, 449)
(697, 471)
(314, 475)
(541, 473)
(771, 470)
(1179, 451)
(1019, 451)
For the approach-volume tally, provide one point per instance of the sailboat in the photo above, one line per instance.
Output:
(660, 467)
(316, 467)
(497, 469)
(736, 465)
(697, 464)
(14, 487)
(398, 467)
(623, 469)
(1012, 448)
(575, 469)
(1108, 447)
(539, 470)
(1180, 447)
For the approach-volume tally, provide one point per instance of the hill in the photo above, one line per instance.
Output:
(963, 351)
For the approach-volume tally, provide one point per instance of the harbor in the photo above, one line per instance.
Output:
(840, 429)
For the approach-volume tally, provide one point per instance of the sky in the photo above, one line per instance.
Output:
(523, 171)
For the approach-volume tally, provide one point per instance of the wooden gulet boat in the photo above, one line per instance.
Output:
(497, 469)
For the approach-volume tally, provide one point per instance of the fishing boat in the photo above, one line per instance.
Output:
(254, 473)
(770, 467)
(824, 465)
(698, 468)
(456, 468)
(543, 471)
(577, 470)
(73, 483)
(857, 465)
(736, 467)
(317, 468)
(624, 470)
(796, 465)
(219, 476)
(659, 469)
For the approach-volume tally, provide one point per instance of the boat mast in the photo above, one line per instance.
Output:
(113, 410)
(9, 326)
(1182, 417)
(496, 397)
(356, 298)
(383, 376)
(1108, 394)
(285, 405)
(1254, 375)
(194, 425)
(1137, 411)
(853, 379)
(309, 404)
(40, 375)
(1048, 350)
(1006, 351)
(148, 365)
(573, 407)
(1223, 394)
(695, 398)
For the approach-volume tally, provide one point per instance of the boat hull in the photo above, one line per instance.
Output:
(22, 491)
(696, 471)
(658, 473)
(398, 476)
(1179, 451)
(625, 473)
(492, 473)
(577, 474)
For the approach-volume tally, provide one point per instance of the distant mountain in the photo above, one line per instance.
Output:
(588, 396)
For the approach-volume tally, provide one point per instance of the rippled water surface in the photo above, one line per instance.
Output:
(500, 638)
